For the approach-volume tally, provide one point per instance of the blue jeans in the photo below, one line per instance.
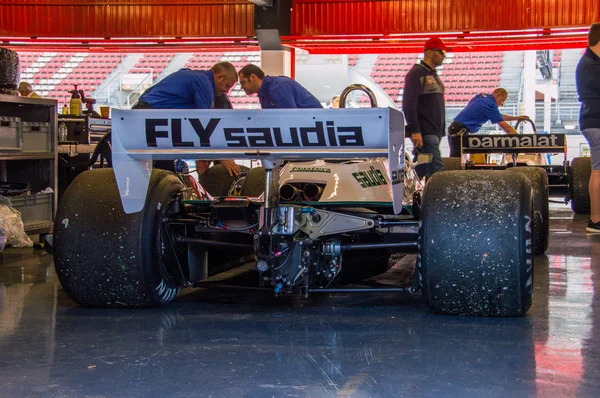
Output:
(431, 144)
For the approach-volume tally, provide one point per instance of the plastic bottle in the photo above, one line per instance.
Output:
(75, 104)
(62, 132)
(65, 109)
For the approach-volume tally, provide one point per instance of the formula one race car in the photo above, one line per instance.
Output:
(570, 179)
(334, 199)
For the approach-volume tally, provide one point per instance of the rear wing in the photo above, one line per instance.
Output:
(141, 136)
(520, 143)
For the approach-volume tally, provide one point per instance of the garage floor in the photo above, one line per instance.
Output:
(249, 344)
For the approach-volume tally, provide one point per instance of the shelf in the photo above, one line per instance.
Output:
(76, 148)
(26, 155)
(27, 101)
(40, 227)
(37, 161)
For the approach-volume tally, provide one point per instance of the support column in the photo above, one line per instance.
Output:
(529, 71)
(277, 63)
(547, 109)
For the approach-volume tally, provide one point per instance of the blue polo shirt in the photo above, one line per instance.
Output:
(184, 89)
(281, 92)
(479, 110)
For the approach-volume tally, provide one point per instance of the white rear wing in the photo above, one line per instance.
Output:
(141, 136)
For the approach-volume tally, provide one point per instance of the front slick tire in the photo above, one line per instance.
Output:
(475, 243)
(106, 258)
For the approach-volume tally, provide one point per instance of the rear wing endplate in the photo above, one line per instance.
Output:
(141, 136)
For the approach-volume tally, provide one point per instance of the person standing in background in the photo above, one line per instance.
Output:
(25, 90)
(335, 102)
(424, 108)
(587, 77)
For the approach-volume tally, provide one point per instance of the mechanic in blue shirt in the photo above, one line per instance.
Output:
(587, 78)
(479, 110)
(279, 92)
(191, 89)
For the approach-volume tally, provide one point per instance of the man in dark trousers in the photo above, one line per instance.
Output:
(191, 89)
(587, 76)
(279, 92)
(424, 108)
(479, 110)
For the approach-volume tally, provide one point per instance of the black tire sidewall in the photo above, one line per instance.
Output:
(450, 249)
(105, 257)
(254, 185)
(541, 226)
(579, 179)
(164, 186)
(217, 181)
(9, 69)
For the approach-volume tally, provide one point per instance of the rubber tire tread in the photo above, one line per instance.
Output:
(581, 171)
(217, 181)
(104, 257)
(9, 70)
(475, 254)
(541, 220)
(254, 185)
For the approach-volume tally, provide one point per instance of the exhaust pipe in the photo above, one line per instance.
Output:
(311, 192)
(288, 192)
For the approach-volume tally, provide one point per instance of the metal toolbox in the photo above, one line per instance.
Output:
(36, 137)
(85, 129)
(10, 133)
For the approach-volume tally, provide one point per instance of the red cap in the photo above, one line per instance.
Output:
(435, 43)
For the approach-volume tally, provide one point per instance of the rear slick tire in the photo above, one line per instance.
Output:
(106, 258)
(579, 182)
(475, 243)
(541, 213)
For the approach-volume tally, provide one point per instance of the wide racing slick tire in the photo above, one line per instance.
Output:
(475, 243)
(579, 181)
(452, 164)
(106, 258)
(217, 181)
(255, 182)
(541, 213)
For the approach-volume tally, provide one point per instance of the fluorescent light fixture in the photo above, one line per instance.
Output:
(262, 3)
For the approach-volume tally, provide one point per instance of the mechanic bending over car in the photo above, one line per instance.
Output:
(192, 89)
(424, 108)
(587, 78)
(278, 92)
(479, 110)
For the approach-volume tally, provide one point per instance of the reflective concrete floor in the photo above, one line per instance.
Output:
(249, 344)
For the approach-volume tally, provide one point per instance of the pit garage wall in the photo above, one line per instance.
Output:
(126, 18)
(218, 18)
(323, 17)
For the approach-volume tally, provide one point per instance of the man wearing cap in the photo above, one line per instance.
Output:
(423, 106)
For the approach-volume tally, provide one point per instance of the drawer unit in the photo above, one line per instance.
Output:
(37, 137)
(10, 133)
(35, 209)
